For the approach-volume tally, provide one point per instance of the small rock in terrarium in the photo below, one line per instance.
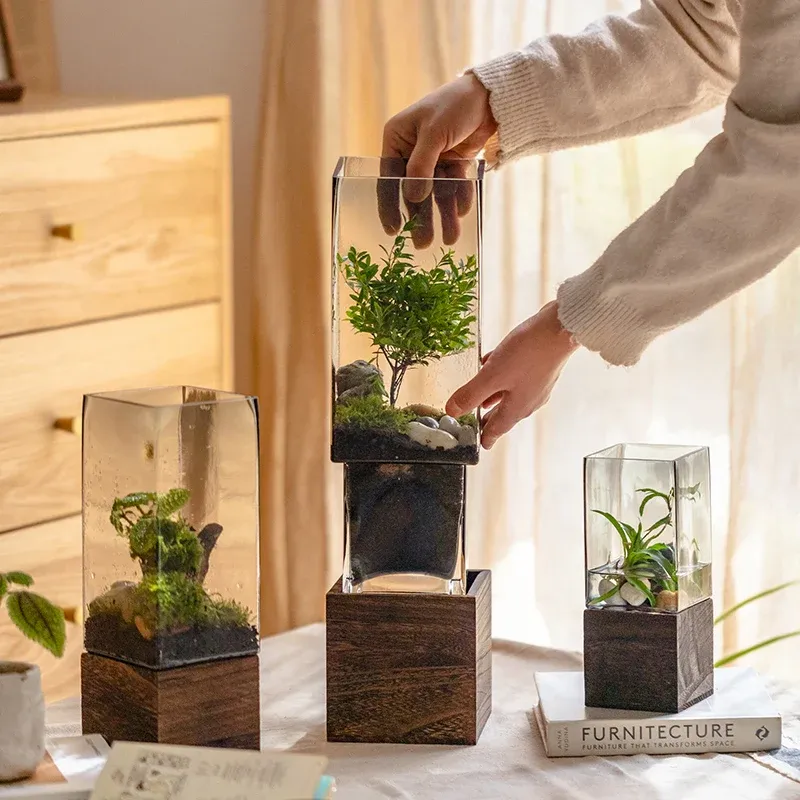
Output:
(168, 617)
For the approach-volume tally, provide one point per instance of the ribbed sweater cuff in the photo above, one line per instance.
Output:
(605, 326)
(517, 103)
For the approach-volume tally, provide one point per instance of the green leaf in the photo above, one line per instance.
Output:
(170, 502)
(605, 596)
(780, 587)
(734, 656)
(3, 585)
(39, 620)
(616, 523)
(20, 578)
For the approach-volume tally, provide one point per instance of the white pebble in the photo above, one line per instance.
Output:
(450, 425)
(606, 586)
(467, 436)
(430, 437)
(632, 595)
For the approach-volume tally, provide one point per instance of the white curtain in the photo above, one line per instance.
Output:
(729, 380)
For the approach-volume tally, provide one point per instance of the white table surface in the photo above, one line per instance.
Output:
(508, 763)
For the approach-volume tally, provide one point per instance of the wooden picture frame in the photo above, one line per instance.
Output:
(11, 89)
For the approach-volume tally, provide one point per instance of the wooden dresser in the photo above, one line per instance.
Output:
(114, 272)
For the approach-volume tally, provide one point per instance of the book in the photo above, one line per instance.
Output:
(68, 771)
(140, 771)
(738, 718)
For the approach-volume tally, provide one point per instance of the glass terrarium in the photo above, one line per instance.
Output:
(406, 335)
(406, 288)
(647, 528)
(170, 525)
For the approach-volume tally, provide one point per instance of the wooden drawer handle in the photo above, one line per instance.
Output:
(69, 424)
(73, 615)
(68, 232)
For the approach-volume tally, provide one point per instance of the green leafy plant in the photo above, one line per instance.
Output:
(643, 557)
(174, 559)
(413, 316)
(36, 617)
(759, 645)
(157, 535)
(372, 413)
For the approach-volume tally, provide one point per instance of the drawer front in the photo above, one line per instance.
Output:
(143, 208)
(46, 376)
(51, 553)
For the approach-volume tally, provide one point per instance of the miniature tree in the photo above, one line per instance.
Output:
(413, 316)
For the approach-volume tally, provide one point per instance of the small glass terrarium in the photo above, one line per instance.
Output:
(406, 335)
(647, 528)
(406, 286)
(170, 525)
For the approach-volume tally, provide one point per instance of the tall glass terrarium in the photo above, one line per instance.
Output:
(405, 311)
(647, 528)
(170, 525)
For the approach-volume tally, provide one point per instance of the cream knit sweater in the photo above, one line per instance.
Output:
(729, 219)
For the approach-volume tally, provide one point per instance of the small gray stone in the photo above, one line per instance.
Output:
(364, 390)
(447, 423)
(430, 422)
(607, 585)
(356, 374)
(632, 595)
(467, 436)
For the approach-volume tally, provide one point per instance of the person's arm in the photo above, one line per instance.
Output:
(621, 76)
(728, 220)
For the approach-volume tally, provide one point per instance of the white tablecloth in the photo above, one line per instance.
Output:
(509, 762)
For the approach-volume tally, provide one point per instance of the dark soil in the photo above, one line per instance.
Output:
(359, 444)
(110, 635)
(404, 518)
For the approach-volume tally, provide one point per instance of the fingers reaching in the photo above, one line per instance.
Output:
(392, 168)
(500, 420)
(473, 394)
(422, 233)
(445, 194)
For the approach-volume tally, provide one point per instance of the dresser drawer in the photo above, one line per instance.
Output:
(51, 553)
(144, 208)
(46, 376)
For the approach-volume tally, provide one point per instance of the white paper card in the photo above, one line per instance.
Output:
(137, 771)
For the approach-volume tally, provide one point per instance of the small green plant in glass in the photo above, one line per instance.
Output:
(648, 537)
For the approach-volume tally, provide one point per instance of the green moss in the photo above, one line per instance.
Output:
(373, 413)
(165, 545)
(469, 419)
(171, 600)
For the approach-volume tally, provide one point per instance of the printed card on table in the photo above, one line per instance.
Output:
(137, 771)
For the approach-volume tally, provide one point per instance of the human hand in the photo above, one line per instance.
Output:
(450, 124)
(518, 375)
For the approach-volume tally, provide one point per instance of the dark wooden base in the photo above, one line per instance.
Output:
(215, 704)
(409, 668)
(648, 661)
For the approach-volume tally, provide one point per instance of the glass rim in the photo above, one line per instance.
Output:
(371, 167)
(125, 396)
(680, 451)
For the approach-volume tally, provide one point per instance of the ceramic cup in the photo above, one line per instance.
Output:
(21, 720)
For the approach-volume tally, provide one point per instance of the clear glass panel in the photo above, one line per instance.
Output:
(405, 308)
(647, 527)
(170, 525)
(404, 528)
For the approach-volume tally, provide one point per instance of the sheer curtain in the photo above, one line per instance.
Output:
(728, 380)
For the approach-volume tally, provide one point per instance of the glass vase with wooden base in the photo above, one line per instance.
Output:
(170, 549)
(408, 628)
(648, 622)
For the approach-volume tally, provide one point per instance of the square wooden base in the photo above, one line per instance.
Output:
(409, 668)
(214, 704)
(648, 661)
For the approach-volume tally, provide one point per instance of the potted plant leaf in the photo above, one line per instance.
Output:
(21, 699)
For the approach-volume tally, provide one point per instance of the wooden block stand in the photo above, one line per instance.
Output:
(648, 661)
(409, 668)
(214, 704)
